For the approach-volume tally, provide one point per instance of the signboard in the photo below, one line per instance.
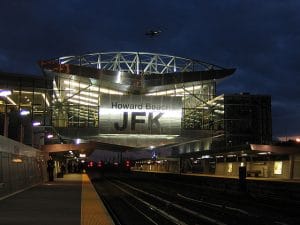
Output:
(136, 114)
(278, 167)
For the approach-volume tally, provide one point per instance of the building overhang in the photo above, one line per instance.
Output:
(127, 82)
(135, 72)
(84, 148)
(275, 149)
(245, 150)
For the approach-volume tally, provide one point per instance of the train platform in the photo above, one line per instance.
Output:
(71, 200)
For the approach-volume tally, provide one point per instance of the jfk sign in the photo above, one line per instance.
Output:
(136, 114)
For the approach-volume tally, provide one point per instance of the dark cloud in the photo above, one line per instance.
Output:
(258, 37)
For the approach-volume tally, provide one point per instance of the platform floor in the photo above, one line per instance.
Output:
(71, 200)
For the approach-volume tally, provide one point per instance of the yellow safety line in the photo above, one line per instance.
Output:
(93, 212)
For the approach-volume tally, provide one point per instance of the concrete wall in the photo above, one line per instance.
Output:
(164, 166)
(224, 168)
(296, 169)
(20, 166)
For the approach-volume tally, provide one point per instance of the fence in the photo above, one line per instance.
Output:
(21, 166)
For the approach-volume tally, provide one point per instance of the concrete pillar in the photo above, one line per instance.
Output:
(291, 164)
(5, 122)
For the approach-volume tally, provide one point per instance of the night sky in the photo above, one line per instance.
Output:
(261, 38)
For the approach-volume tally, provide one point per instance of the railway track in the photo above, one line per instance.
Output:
(264, 207)
(134, 202)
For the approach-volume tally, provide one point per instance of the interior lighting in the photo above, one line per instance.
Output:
(78, 141)
(5, 93)
(50, 136)
(92, 88)
(24, 112)
(83, 98)
(17, 160)
(262, 153)
(87, 93)
(35, 124)
(278, 167)
(81, 102)
(229, 168)
(46, 99)
(10, 100)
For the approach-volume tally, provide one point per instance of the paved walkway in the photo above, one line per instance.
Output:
(71, 200)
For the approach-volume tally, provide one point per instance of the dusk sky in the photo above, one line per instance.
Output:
(260, 38)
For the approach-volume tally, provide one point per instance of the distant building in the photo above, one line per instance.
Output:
(247, 119)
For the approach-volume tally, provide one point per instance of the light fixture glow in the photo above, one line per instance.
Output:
(10, 100)
(262, 153)
(17, 160)
(205, 157)
(24, 112)
(5, 93)
(35, 124)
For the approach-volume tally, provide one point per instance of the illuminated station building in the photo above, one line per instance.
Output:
(139, 102)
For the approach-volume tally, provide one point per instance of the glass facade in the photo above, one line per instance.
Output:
(76, 102)
(71, 101)
(29, 101)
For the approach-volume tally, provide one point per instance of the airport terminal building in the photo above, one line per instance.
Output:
(137, 101)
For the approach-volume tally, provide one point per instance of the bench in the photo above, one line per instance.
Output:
(255, 173)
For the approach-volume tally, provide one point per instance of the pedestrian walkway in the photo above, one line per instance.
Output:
(71, 200)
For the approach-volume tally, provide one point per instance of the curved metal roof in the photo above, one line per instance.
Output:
(137, 62)
(136, 72)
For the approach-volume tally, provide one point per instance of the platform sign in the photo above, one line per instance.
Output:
(136, 114)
